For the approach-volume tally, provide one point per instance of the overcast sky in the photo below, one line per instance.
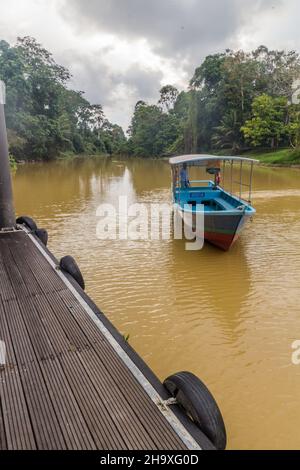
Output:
(120, 51)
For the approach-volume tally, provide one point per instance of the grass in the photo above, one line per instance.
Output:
(71, 155)
(13, 163)
(283, 157)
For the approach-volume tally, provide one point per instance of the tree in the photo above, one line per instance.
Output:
(209, 74)
(151, 131)
(168, 97)
(225, 86)
(293, 125)
(228, 134)
(278, 71)
(268, 124)
(44, 116)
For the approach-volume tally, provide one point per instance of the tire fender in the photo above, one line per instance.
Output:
(69, 265)
(42, 234)
(197, 401)
(28, 221)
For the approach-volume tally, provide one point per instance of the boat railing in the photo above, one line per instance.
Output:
(203, 183)
(240, 182)
(236, 177)
(195, 184)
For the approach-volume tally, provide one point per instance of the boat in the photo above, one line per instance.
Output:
(226, 212)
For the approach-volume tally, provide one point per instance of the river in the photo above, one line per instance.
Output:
(230, 318)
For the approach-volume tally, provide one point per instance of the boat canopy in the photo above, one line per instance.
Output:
(207, 160)
(213, 166)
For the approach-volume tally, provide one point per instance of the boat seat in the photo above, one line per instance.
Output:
(224, 204)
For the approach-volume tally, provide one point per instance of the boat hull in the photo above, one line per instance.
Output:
(224, 230)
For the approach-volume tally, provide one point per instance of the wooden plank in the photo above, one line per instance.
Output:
(82, 343)
(66, 387)
(143, 411)
(100, 369)
(123, 416)
(16, 419)
(105, 434)
(47, 276)
(26, 355)
(143, 408)
(6, 290)
(3, 443)
(74, 426)
(106, 396)
(46, 426)
(17, 258)
(61, 395)
(130, 392)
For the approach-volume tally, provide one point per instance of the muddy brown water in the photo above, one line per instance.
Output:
(230, 318)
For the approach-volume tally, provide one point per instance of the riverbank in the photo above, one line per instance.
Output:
(283, 157)
(280, 158)
(66, 156)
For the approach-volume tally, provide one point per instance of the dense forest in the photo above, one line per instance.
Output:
(45, 118)
(235, 102)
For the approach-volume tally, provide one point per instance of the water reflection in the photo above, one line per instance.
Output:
(212, 277)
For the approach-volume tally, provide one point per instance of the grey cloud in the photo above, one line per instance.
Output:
(182, 30)
(142, 82)
(102, 85)
(170, 26)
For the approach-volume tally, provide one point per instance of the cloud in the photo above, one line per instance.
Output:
(116, 89)
(120, 51)
(155, 42)
(177, 27)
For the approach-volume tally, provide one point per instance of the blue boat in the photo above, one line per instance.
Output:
(225, 212)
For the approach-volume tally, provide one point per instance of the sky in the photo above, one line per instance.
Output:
(122, 51)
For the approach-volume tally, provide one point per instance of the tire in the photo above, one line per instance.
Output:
(69, 265)
(30, 223)
(197, 401)
(42, 235)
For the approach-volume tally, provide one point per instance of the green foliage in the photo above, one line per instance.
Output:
(235, 100)
(152, 131)
(293, 125)
(268, 124)
(44, 117)
(227, 134)
(226, 86)
(126, 338)
(168, 97)
(283, 157)
(13, 163)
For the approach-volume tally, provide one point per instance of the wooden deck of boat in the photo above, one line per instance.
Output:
(64, 385)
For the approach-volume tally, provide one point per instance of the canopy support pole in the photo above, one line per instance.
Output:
(241, 179)
(7, 211)
(251, 180)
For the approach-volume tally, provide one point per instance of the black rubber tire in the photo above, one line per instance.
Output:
(42, 235)
(69, 265)
(197, 401)
(30, 223)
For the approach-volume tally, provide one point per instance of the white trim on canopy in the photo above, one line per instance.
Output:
(204, 160)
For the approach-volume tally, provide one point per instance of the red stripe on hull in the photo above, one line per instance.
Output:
(221, 240)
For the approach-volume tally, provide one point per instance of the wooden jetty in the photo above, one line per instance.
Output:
(68, 379)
